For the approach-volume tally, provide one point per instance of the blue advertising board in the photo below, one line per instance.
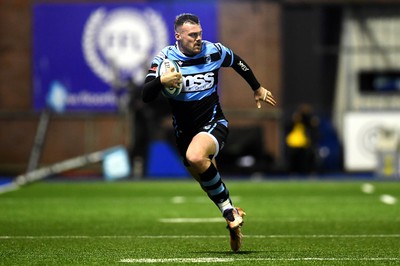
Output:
(84, 52)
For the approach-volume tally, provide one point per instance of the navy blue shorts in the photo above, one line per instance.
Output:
(217, 130)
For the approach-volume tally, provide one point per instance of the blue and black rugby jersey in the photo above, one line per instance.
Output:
(198, 102)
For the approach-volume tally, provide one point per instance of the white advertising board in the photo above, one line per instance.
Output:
(361, 131)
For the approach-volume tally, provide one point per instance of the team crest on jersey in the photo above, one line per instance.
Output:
(207, 58)
(207, 127)
(120, 42)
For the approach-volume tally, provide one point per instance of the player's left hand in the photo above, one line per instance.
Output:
(263, 95)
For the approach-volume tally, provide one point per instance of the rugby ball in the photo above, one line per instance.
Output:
(165, 65)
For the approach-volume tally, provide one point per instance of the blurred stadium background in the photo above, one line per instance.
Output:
(71, 70)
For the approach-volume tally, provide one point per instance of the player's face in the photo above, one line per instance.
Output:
(189, 38)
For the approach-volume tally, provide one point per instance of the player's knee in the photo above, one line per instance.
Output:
(195, 158)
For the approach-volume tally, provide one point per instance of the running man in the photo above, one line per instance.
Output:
(201, 128)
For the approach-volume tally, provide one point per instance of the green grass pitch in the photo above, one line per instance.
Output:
(174, 223)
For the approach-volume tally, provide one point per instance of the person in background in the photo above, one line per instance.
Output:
(144, 119)
(302, 140)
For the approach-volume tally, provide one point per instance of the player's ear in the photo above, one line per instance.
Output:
(177, 36)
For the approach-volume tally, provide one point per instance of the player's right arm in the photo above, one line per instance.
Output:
(151, 89)
(153, 83)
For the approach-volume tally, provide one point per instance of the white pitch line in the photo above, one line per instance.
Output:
(204, 199)
(196, 236)
(277, 236)
(192, 220)
(388, 199)
(178, 260)
(368, 188)
(206, 260)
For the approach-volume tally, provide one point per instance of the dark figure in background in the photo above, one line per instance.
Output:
(302, 141)
(144, 119)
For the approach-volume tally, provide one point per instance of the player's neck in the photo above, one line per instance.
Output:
(182, 51)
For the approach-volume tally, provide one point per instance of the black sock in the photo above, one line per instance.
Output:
(212, 183)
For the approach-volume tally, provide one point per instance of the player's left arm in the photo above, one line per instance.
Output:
(261, 94)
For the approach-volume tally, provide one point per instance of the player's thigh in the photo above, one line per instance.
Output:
(201, 146)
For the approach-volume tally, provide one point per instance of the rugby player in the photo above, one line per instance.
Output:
(201, 128)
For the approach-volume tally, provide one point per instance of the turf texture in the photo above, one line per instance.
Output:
(306, 222)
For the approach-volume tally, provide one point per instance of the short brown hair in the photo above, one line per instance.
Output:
(185, 18)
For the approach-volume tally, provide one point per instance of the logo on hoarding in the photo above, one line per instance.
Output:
(121, 42)
(367, 139)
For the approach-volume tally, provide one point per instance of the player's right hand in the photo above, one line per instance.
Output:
(171, 78)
